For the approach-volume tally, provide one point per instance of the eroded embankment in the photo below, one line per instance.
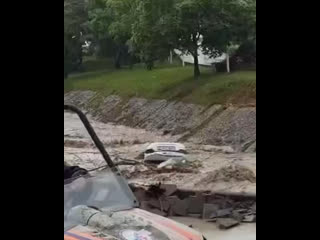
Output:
(215, 125)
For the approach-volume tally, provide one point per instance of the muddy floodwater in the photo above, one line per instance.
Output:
(218, 167)
(212, 232)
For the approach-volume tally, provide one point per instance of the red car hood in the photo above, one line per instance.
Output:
(153, 227)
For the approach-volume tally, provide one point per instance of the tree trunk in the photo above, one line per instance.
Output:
(228, 62)
(131, 61)
(196, 69)
(170, 58)
(117, 62)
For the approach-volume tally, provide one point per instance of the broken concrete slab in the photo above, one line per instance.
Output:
(194, 215)
(254, 207)
(237, 215)
(209, 209)
(145, 206)
(224, 212)
(236, 196)
(242, 211)
(154, 203)
(222, 202)
(183, 194)
(164, 205)
(249, 218)
(178, 207)
(141, 195)
(169, 189)
(188, 203)
(221, 213)
(227, 223)
(212, 220)
(195, 204)
(172, 199)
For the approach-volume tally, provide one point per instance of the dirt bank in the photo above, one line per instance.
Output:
(214, 125)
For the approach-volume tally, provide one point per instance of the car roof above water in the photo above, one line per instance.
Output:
(155, 146)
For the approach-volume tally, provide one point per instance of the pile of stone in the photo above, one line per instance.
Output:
(227, 210)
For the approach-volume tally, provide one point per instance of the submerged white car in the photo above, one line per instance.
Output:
(162, 151)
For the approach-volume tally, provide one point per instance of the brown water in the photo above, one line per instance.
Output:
(217, 172)
(212, 232)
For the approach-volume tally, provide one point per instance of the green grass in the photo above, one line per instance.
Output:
(91, 64)
(172, 83)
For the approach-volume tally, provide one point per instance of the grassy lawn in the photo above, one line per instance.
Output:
(173, 83)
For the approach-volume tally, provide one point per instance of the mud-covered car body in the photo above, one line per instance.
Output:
(103, 207)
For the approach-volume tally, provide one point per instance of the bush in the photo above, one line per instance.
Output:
(243, 59)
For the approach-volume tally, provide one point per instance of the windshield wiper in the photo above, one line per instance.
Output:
(92, 134)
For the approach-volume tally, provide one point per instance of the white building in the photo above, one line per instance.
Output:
(204, 60)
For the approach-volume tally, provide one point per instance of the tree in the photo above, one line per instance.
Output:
(110, 21)
(75, 15)
(209, 25)
(239, 19)
(194, 18)
(100, 18)
(152, 33)
(151, 29)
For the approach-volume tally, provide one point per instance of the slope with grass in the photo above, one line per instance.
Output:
(218, 108)
(170, 83)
